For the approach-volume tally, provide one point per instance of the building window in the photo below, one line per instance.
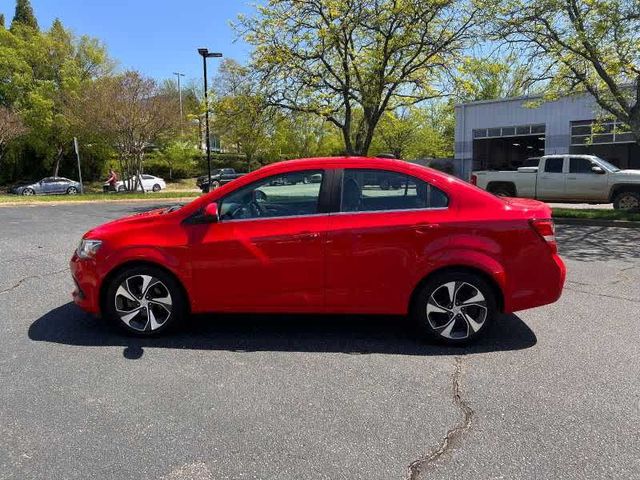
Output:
(514, 131)
(593, 132)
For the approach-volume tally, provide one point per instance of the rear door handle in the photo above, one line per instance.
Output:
(308, 235)
(426, 227)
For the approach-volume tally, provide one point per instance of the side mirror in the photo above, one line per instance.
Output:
(211, 213)
(597, 169)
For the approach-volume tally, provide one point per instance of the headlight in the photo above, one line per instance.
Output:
(88, 248)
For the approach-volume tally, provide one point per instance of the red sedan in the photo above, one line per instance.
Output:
(329, 235)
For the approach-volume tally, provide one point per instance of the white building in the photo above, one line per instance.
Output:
(502, 134)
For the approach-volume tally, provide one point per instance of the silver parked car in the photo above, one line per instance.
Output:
(48, 186)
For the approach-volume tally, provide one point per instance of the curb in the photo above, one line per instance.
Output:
(590, 222)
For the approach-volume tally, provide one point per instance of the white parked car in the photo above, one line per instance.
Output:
(567, 178)
(149, 182)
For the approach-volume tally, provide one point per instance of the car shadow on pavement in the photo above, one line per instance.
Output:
(349, 334)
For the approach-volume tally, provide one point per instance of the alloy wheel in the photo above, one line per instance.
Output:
(143, 303)
(629, 202)
(28, 192)
(72, 190)
(456, 310)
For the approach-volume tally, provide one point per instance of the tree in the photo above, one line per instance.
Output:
(130, 113)
(2, 20)
(488, 79)
(11, 127)
(24, 15)
(349, 61)
(591, 46)
(241, 116)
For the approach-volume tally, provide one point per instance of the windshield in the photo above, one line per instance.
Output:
(607, 165)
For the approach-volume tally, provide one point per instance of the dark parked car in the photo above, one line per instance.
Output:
(219, 177)
(48, 186)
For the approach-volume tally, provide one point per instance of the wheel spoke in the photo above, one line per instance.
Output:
(147, 281)
(449, 328)
(152, 320)
(475, 326)
(123, 290)
(435, 307)
(452, 288)
(478, 297)
(130, 316)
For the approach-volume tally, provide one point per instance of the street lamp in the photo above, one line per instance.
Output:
(206, 54)
(178, 74)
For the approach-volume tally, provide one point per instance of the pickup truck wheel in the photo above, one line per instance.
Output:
(502, 191)
(455, 307)
(627, 201)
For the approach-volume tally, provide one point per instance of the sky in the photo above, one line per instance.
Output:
(157, 37)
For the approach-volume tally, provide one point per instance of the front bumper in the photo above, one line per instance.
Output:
(87, 284)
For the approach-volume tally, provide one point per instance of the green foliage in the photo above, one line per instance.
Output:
(349, 62)
(582, 46)
(179, 159)
(41, 74)
(486, 79)
(24, 15)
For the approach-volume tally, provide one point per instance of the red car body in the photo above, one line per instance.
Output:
(334, 262)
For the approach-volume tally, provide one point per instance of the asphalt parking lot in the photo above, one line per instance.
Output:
(550, 393)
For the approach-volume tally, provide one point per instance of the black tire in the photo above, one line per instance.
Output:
(432, 297)
(215, 184)
(627, 200)
(163, 286)
(502, 191)
(156, 188)
(27, 192)
(72, 191)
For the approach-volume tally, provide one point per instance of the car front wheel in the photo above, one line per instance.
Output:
(28, 192)
(72, 191)
(455, 307)
(144, 300)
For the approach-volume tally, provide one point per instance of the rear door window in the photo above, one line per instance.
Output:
(365, 190)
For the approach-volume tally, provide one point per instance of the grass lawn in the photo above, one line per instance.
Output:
(18, 199)
(596, 214)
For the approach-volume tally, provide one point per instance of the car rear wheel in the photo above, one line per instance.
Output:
(627, 201)
(72, 191)
(144, 300)
(27, 192)
(156, 188)
(455, 307)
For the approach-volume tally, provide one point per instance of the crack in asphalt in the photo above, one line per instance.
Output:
(24, 279)
(455, 433)
(615, 297)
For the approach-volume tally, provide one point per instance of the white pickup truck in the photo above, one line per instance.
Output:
(567, 179)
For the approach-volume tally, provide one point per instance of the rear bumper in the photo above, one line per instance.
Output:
(86, 293)
(550, 278)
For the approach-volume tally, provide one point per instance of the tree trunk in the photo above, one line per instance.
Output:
(58, 158)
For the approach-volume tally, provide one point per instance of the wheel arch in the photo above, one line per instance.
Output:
(623, 187)
(491, 281)
(492, 186)
(104, 285)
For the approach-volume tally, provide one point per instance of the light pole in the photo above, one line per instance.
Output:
(178, 74)
(206, 54)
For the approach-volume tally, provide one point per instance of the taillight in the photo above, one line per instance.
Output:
(547, 230)
(474, 180)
